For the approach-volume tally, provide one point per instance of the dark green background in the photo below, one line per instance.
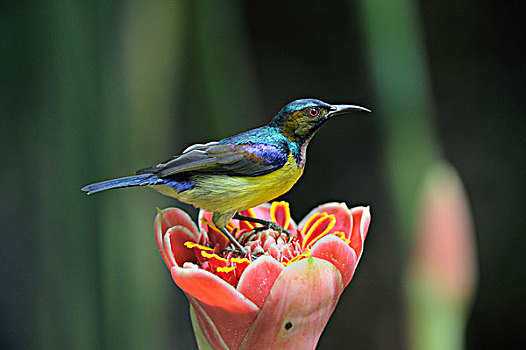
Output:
(97, 89)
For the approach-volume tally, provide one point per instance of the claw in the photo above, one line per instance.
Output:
(276, 227)
(236, 251)
(267, 224)
(234, 241)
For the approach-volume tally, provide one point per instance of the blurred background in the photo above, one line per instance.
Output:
(97, 89)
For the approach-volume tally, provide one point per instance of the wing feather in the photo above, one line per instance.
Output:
(248, 159)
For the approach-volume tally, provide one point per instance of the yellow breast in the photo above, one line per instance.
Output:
(222, 193)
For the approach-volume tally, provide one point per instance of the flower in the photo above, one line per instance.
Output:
(282, 292)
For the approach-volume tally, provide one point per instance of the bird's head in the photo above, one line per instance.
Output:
(300, 119)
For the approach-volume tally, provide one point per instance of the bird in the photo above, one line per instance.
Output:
(239, 172)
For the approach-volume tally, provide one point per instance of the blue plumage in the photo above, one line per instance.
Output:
(179, 185)
(129, 181)
(264, 134)
(269, 154)
(139, 180)
(303, 104)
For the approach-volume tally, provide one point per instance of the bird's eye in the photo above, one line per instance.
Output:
(313, 112)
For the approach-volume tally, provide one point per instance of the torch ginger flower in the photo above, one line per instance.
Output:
(279, 295)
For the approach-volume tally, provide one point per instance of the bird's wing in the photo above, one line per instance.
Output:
(248, 159)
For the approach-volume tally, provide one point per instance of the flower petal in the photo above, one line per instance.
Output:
(319, 226)
(263, 212)
(342, 215)
(230, 312)
(174, 246)
(206, 333)
(337, 252)
(361, 217)
(297, 308)
(203, 214)
(340, 212)
(216, 238)
(210, 289)
(258, 279)
(247, 225)
(280, 214)
(172, 217)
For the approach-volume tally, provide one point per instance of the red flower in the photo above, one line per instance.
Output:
(282, 292)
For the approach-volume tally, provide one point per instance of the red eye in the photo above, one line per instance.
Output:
(313, 112)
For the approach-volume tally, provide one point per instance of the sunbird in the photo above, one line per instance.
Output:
(242, 171)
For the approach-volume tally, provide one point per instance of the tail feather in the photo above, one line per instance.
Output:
(129, 181)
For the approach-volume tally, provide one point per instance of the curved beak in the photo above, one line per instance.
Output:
(342, 109)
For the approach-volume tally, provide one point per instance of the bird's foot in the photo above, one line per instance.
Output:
(266, 224)
(239, 252)
(234, 241)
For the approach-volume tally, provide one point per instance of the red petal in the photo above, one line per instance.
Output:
(297, 308)
(262, 211)
(214, 260)
(308, 221)
(198, 248)
(361, 217)
(211, 290)
(203, 214)
(319, 226)
(280, 214)
(258, 279)
(365, 219)
(246, 225)
(342, 215)
(174, 248)
(172, 217)
(207, 328)
(229, 311)
(337, 252)
(228, 274)
(216, 238)
(241, 265)
(340, 212)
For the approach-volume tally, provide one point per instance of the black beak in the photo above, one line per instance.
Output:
(342, 109)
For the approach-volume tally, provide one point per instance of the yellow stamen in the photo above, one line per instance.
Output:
(189, 244)
(226, 269)
(213, 256)
(240, 260)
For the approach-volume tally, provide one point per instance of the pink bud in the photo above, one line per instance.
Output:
(445, 247)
